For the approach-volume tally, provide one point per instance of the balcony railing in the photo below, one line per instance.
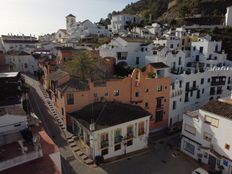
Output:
(214, 83)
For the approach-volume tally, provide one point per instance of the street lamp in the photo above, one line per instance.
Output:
(124, 141)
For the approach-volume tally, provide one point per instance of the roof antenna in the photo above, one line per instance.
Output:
(92, 125)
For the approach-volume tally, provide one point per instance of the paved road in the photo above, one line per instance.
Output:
(162, 159)
(69, 164)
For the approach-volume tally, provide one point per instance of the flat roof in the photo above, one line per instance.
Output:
(193, 114)
(8, 74)
(42, 165)
(16, 110)
(159, 65)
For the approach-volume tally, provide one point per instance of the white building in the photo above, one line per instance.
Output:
(208, 52)
(61, 36)
(154, 29)
(120, 23)
(21, 61)
(206, 135)
(171, 42)
(142, 32)
(134, 53)
(19, 43)
(228, 17)
(78, 30)
(111, 129)
(191, 90)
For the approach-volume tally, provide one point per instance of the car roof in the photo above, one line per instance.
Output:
(201, 171)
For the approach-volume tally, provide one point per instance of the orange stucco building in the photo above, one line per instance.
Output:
(149, 89)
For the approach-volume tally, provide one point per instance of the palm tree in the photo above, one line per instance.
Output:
(82, 65)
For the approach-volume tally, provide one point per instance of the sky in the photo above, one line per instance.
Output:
(39, 17)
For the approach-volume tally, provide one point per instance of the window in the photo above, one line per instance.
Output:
(201, 49)
(219, 90)
(137, 94)
(179, 62)
(203, 91)
(227, 146)
(189, 147)
(141, 130)
(171, 46)
(208, 80)
(228, 80)
(137, 61)
(70, 99)
(207, 136)
(210, 56)
(117, 136)
(159, 103)
(216, 48)
(173, 105)
(147, 90)
(116, 93)
(146, 105)
(180, 83)
(25, 65)
(159, 88)
(104, 140)
(117, 139)
(190, 129)
(159, 116)
(106, 94)
(130, 135)
(212, 121)
(202, 81)
(194, 48)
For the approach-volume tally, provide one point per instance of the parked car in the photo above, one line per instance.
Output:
(200, 171)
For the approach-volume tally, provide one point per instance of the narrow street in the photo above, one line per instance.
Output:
(69, 164)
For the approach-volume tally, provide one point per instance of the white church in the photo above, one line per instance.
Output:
(79, 30)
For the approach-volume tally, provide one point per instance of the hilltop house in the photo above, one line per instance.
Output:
(120, 23)
(79, 30)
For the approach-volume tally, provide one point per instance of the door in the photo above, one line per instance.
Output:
(170, 124)
(230, 170)
(212, 161)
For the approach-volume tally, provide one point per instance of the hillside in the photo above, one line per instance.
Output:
(183, 11)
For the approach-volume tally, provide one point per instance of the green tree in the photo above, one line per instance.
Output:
(82, 65)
